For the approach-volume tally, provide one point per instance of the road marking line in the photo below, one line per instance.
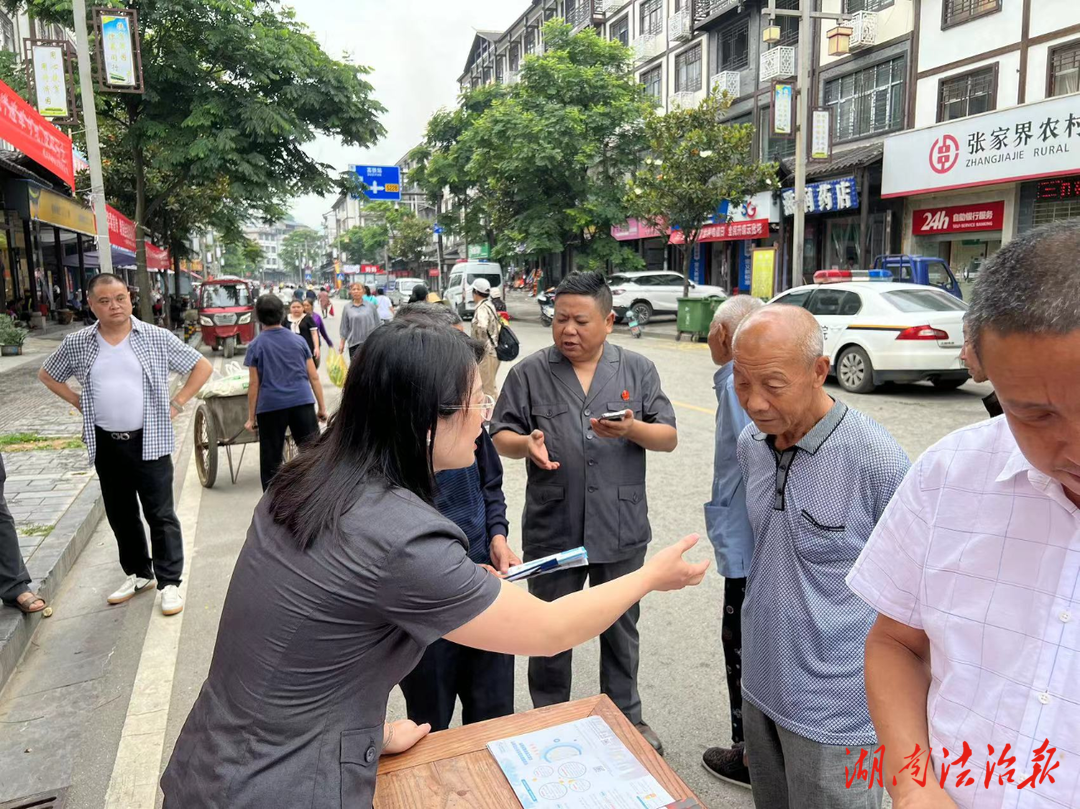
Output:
(693, 407)
(134, 781)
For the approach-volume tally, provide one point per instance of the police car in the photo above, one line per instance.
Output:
(877, 330)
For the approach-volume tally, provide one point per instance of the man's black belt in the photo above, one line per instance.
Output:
(126, 435)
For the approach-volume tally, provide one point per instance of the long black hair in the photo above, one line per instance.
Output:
(419, 294)
(407, 375)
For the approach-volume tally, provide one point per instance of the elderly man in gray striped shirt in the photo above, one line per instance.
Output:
(818, 476)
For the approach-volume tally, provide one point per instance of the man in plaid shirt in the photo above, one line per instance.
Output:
(123, 367)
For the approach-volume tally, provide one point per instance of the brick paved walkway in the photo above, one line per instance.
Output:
(26, 406)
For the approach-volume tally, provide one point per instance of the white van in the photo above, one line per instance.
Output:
(464, 273)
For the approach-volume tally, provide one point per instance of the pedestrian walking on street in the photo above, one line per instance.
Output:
(324, 337)
(818, 476)
(123, 366)
(303, 324)
(358, 320)
(14, 580)
(283, 387)
(485, 330)
(729, 530)
(324, 302)
(976, 559)
(473, 499)
(328, 610)
(386, 309)
(419, 294)
(586, 474)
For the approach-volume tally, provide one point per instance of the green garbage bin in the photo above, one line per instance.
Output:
(695, 316)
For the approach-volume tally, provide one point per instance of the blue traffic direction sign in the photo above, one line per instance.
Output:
(382, 182)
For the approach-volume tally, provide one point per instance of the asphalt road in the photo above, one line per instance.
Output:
(144, 659)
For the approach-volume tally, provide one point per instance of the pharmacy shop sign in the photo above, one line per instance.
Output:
(1021, 143)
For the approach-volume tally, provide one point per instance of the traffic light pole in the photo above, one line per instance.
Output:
(93, 148)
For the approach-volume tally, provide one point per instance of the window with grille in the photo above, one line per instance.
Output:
(620, 30)
(652, 20)
(688, 71)
(789, 26)
(7, 34)
(731, 46)
(852, 6)
(867, 101)
(653, 81)
(954, 12)
(530, 42)
(1065, 69)
(970, 94)
(1047, 212)
(514, 57)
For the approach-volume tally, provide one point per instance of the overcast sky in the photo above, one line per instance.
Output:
(417, 49)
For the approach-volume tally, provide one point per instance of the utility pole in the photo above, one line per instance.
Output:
(93, 148)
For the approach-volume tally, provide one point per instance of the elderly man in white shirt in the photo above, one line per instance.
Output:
(974, 568)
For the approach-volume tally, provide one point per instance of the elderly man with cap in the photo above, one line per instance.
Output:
(485, 330)
(973, 570)
(818, 476)
(584, 413)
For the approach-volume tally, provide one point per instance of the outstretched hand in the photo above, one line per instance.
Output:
(538, 453)
(668, 570)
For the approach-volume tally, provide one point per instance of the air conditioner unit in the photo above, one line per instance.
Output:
(680, 26)
(611, 6)
(727, 81)
(513, 77)
(648, 46)
(685, 100)
(863, 29)
(778, 63)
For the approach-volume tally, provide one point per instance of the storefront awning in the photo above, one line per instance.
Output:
(841, 163)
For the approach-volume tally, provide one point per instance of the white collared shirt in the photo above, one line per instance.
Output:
(981, 551)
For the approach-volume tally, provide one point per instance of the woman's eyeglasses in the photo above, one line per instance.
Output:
(486, 407)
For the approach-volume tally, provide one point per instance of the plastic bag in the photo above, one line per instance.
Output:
(336, 367)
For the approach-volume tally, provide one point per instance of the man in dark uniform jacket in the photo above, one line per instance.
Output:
(586, 474)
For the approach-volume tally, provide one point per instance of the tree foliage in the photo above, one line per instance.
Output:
(695, 163)
(541, 164)
(234, 89)
(364, 245)
(301, 250)
(241, 257)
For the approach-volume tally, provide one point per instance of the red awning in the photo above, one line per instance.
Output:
(34, 136)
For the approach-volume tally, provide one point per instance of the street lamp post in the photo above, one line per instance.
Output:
(802, 88)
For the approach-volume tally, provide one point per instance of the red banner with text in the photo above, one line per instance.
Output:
(959, 219)
(35, 137)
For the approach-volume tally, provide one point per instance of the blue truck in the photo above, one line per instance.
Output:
(926, 270)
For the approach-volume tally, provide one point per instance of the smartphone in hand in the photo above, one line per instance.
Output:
(615, 415)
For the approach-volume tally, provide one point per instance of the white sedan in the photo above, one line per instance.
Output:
(880, 331)
(653, 293)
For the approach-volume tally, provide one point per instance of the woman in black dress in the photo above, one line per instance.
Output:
(304, 325)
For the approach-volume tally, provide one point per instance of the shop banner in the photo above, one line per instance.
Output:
(959, 219)
(63, 212)
(50, 80)
(121, 230)
(157, 258)
(729, 231)
(633, 229)
(118, 49)
(1020, 143)
(824, 197)
(31, 134)
(764, 272)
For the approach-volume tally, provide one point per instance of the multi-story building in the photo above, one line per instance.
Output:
(996, 148)
(271, 238)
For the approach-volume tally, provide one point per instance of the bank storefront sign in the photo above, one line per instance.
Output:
(1021, 143)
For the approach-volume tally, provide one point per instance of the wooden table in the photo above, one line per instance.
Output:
(453, 769)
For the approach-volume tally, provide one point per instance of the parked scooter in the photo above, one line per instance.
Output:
(636, 328)
(546, 299)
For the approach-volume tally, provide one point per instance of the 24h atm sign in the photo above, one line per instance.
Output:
(1021, 143)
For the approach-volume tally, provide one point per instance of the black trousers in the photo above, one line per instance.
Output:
(304, 424)
(731, 639)
(550, 677)
(14, 580)
(128, 481)
(483, 680)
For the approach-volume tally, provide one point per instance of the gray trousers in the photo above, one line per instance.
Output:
(550, 677)
(14, 580)
(791, 772)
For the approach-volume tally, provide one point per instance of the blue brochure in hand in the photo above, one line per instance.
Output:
(557, 561)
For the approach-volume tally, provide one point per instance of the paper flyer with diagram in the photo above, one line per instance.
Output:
(579, 765)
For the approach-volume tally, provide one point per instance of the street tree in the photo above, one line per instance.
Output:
(364, 245)
(301, 250)
(693, 164)
(241, 258)
(234, 89)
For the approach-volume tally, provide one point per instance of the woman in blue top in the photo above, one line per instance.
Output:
(283, 387)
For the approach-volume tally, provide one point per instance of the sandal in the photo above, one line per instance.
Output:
(34, 603)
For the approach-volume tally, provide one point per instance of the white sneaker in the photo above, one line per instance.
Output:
(171, 600)
(133, 585)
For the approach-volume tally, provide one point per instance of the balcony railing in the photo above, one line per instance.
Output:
(611, 6)
(863, 29)
(778, 63)
(580, 15)
(680, 26)
(704, 9)
(727, 81)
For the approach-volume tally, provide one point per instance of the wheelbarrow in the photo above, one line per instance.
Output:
(219, 422)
